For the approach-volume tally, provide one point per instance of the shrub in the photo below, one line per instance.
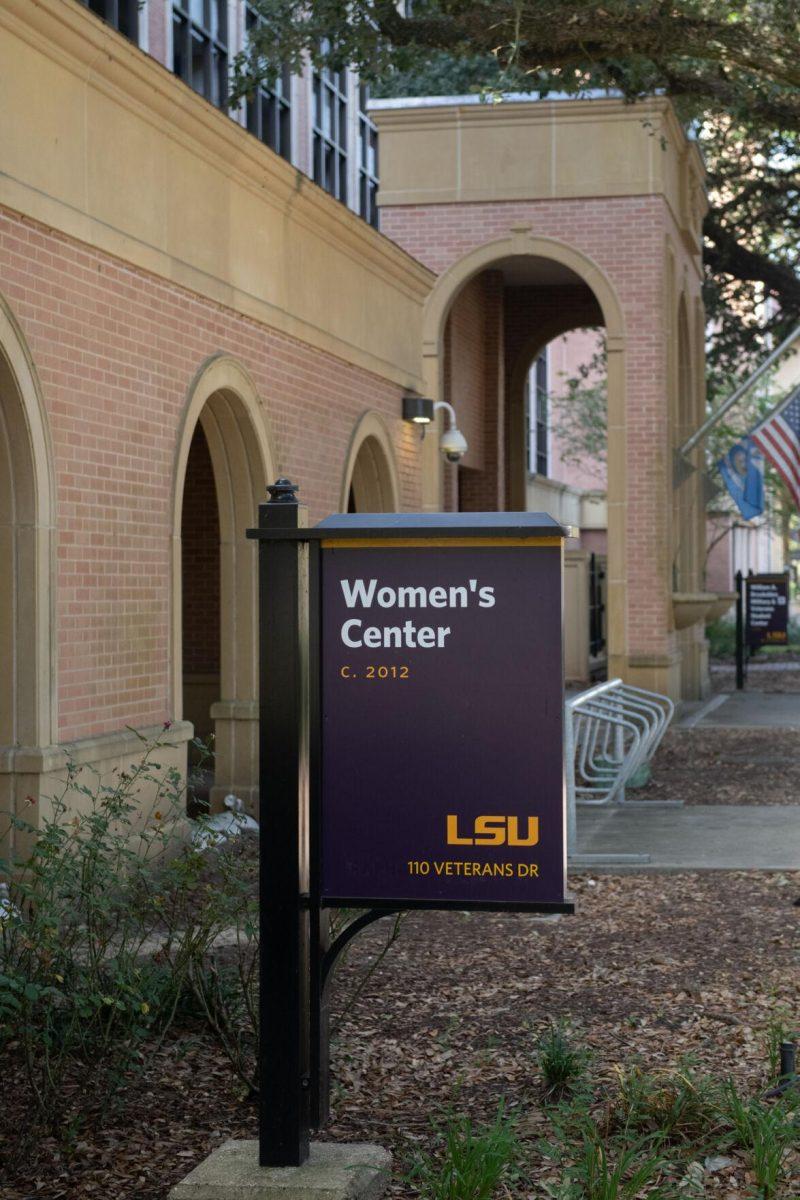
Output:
(115, 924)
(721, 636)
(222, 973)
(81, 989)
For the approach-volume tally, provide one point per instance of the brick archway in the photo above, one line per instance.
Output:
(28, 716)
(224, 403)
(370, 474)
(520, 243)
(521, 247)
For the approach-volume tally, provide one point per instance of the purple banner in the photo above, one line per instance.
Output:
(442, 712)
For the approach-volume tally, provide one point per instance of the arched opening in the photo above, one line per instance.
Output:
(498, 323)
(500, 308)
(27, 684)
(370, 477)
(566, 403)
(201, 616)
(224, 464)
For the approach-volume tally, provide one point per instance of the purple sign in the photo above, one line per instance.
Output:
(767, 610)
(442, 713)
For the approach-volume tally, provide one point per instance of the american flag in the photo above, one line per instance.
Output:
(779, 438)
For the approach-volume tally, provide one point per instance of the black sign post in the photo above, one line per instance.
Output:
(411, 750)
(285, 941)
(740, 663)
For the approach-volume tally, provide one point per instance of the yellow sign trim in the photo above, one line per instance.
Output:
(438, 543)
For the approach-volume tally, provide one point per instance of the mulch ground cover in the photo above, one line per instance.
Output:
(652, 970)
(782, 678)
(726, 766)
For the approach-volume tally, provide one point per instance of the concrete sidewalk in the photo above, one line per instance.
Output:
(743, 710)
(693, 838)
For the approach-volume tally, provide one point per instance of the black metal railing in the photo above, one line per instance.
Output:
(597, 604)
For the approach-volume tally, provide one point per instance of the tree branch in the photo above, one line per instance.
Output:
(726, 255)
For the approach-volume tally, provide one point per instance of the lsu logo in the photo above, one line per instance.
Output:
(493, 831)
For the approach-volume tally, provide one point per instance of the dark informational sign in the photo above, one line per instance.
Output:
(410, 750)
(442, 777)
(767, 610)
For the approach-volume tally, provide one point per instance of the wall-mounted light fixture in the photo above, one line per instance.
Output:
(421, 411)
(417, 409)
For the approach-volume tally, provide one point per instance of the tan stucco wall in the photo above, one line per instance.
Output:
(141, 225)
(109, 147)
(542, 150)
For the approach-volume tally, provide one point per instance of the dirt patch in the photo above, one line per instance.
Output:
(651, 970)
(726, 766)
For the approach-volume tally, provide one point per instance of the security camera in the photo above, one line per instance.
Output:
(453, 444)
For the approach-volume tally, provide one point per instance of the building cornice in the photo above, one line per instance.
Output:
(548, 120)
(77, 41)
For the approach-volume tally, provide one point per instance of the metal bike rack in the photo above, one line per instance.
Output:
(610, 731)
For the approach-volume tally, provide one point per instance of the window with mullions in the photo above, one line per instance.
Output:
(537, 416)
(200, 47)
(367, 160)
(269, 113)
(122, 14)
(330, 131)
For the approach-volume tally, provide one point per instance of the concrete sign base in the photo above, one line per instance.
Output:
(333, 1171)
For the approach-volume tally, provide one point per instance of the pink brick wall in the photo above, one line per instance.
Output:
(527, 309)
(158, 19)
(625, 237)
(565, 357)
(116, 350)
(474, 386)
(465, 366)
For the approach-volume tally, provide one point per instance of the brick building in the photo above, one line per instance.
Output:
(185, 314)
(539, 218)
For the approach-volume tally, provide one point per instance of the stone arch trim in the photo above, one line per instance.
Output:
(225, 375)
(518, 244)
(224, 400)
(524, 243)
(27, 521)
(371, 437)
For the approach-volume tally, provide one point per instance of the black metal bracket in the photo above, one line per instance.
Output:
(348, 933)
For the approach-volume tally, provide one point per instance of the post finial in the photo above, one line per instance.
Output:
(283, 491)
